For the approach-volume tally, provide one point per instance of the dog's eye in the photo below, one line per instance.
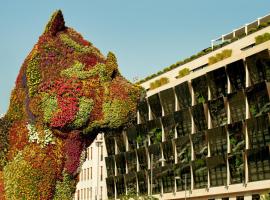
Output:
(114, 73)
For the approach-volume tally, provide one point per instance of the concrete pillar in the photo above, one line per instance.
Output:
(248, 197)
(246, 29)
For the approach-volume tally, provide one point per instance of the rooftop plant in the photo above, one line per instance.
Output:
(159, 82)
(262, 38)
(202, 53)
(183, 72)
(226, 53)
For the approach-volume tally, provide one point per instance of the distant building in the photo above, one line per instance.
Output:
(92, 183)
(205, 135)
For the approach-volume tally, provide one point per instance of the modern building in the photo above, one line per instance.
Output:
(92, 183)
(205, 135)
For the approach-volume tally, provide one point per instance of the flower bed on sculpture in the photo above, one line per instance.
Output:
(66, 92)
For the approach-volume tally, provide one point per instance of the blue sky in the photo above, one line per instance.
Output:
(145, 35)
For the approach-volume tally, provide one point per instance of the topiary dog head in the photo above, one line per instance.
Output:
(66, 92)
(66, 83)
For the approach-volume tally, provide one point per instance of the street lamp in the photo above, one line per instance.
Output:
(151, 172)
(98, 143)
(178, 177)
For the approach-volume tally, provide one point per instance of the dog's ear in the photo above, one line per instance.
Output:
(56, 23)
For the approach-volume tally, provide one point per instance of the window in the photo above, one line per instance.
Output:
(237, 106)
(87, 193)
(217, 170)
(182, 120)
(131, 161)
(101, 153)
(84, 193)
(256, 197)
(101, 191)
(217, 138)
(167, 98)
(155, 106)
(236, 73)
(183, 149)
(240, 198)
(88, 154)
(120, 163)
(199, 117)
(101, 173)
(183, 95)
(218, 112)
(91, 193)
(110, 165)
(143, 111)
(225, 198)
(217, 80)
(91, 173)
(81, 193)
(88, 174)
(84, 174)
(78, 195)
(200, 88)
(91, 153)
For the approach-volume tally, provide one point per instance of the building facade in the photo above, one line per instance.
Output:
(202, 136)
(92, 184)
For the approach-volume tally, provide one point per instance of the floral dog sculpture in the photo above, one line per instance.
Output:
(66, 92)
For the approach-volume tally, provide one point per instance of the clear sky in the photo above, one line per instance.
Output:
(145, 35)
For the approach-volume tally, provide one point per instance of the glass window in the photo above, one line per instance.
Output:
(168, 152)
(217, 170)
(259, 67)
(155, 150)
(155, 106)
(154, 131)
(258, 130)
(200, 88)
(110, 165)
(131, 183)
(120, 163)
(182, 120)
(183, 149)
(131, 161)
(259, 163)
(101, 173)
(200, 145)
(218, 112)
(110, 143)
(143, 111)
(217, 138)
(237, 75)
(110, 187)
(199, 117)
(120, 185)
(167, 179)
(131, 136)
(183, 95)
(240, 198)
(182, 175)
(141, 153)
(200, 173)
(217, 80)
(237, 105)
(101, 153)
(168, 127)
(142, 182)
(258, 99)
(167, 98)
(256, 197)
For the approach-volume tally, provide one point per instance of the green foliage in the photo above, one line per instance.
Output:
(4, 144)
(85, 107)
(77, 47)
(262, 38)
(64, 189)
(111, 63)
(115, 112)
(183, 72)
(49, 106)
(21, 180)
(159, 82)
(156, 134)
(33, 74)
(265, 196)
(226, 53)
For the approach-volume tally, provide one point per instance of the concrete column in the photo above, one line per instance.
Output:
(246, 29)
(212, 44)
